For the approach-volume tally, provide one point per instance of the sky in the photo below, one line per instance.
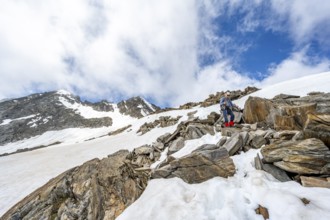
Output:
(169, 52)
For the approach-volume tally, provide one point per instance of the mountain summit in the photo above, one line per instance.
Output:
(38, 113)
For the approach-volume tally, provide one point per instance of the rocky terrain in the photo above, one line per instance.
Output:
(35, 114)
(292, 133)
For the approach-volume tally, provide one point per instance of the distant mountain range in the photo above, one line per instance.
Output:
(35, 114)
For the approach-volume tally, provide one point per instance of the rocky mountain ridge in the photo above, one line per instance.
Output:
(294, 151)
(35, 114)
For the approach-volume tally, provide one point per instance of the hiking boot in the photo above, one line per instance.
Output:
(226, 124)
(231, 123)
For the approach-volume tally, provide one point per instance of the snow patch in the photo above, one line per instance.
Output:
(8, 121)
(148, 104)
(63, 92)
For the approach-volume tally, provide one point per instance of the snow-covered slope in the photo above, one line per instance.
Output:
(218, 198)
(301, 86)
(53, 117)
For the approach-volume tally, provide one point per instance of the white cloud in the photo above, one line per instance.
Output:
(295, 66)
(306, 20)
(110, 49)
(214, 78)
(136, 47)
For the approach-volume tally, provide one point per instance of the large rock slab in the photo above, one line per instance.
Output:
(176, 145)
(289, 117)
(98, 189)
(197, 130)
(233, 144)
(309, 156)
(198, 166)
(315, 182)
(271, 169)
(256, 109)
(318, 126)
(285, 112)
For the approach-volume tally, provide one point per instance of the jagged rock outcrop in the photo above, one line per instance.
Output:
(191, 129)
(163, 121)
(143, 156)
(276, 172)
(176, 145)
(234, 143)
(256, 110)
(318, 126)
(137, 107)
(35, 114)
(98, 189)
(315, 181)
(215, 98)
(285, 112)
(198, 166)
(309, 156)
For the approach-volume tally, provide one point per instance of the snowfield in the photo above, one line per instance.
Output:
(218, 198)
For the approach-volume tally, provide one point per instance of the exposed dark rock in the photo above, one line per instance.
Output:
(136, 107)
(222, 141)
(271, 169)
(285, 96)
(176, 145)
(256, 110)
(99, 189)
(318, 126)
(258, 141)
(305, 201)
(206, 147)
(285, 134)
(35, 114)
(233, 144)
(215, 98)
(120, 130)
(230, 131)
(315, 182)
(163, 121)
(292, 117)
(197, 130)
(164, 137)
(198, 166)
(103, 106)
(309, 156)
(285, 114)
(262, 211)
(245, 137)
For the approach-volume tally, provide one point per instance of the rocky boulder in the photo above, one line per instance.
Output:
(176, 145)
(256, 109)
(163, 121)
(233, 144)
(315, 182)
(136, 107)
(318, 126)
(309, 156)
(285, 112)
(198, 166)
(288, 117)
(197, 130)
(98, 189)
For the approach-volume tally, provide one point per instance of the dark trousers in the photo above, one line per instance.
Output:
(227, 112)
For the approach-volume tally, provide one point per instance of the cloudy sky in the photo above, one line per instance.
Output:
(168, 51)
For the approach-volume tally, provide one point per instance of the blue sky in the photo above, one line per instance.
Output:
(170, 52)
